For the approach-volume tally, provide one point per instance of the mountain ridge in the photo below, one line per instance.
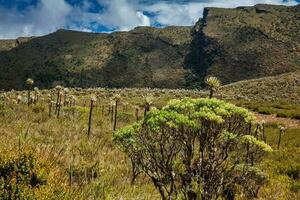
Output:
(232, 44)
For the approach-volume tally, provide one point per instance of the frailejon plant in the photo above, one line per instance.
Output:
(58, 89)
(148, 100)
(72, 100)
(213, 84)
(29, 83)
(36, 95)
(196, 149)
(116, 99)
(111, 110)
(58, 106)
(66, 92)
(19, 99)
(93, 100)
(50, 106)
(137, 113)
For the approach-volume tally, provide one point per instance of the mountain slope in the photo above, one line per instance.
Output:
(233, 44)
(249, 42)
(280, 88)
(144, 57)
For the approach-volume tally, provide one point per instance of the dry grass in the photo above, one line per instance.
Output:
(100, 170)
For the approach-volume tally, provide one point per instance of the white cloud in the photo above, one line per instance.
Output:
(50, 15)
(122, 15)
(188, 13)
(46, 17)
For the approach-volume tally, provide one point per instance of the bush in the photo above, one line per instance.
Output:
(294, 172)
(19, 176)
(295, 187)
(196, 148)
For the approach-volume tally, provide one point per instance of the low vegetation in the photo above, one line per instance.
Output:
(285, 110)
(46, 156)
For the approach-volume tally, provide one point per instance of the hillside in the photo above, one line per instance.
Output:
(233, 44)
(6, 45)
(249, 42)
(281, 88)
(143, 57)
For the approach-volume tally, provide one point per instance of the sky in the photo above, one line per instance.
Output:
(39, 17)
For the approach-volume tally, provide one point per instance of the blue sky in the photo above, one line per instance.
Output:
(40, 17)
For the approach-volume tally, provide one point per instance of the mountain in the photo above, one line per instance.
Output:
(249, 42)
(233, 44)
(143, 57)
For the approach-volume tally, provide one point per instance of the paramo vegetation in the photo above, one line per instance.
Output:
(98, 143)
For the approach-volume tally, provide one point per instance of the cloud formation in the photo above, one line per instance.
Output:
(121, 15)
(47, 16)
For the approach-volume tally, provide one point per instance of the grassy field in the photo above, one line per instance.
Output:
(285, 110)
(59, 161)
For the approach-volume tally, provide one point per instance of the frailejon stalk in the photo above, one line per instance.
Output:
(117, 99)
(58, 89)
(137, 113)
(66, 91)
(147, 104)
(111, 111)
(59, 104)
(93, 100)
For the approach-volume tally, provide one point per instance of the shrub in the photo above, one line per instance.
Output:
(295, 187)
(294, 172)
(196, 148)
(19, 176)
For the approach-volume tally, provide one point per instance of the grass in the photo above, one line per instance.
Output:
(283, 166)
(286, 110)
(75, 167)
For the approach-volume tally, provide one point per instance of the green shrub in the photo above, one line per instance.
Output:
(264, 110)
(19, 176)
(295, 187)
(294, 172)
(178, 145)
